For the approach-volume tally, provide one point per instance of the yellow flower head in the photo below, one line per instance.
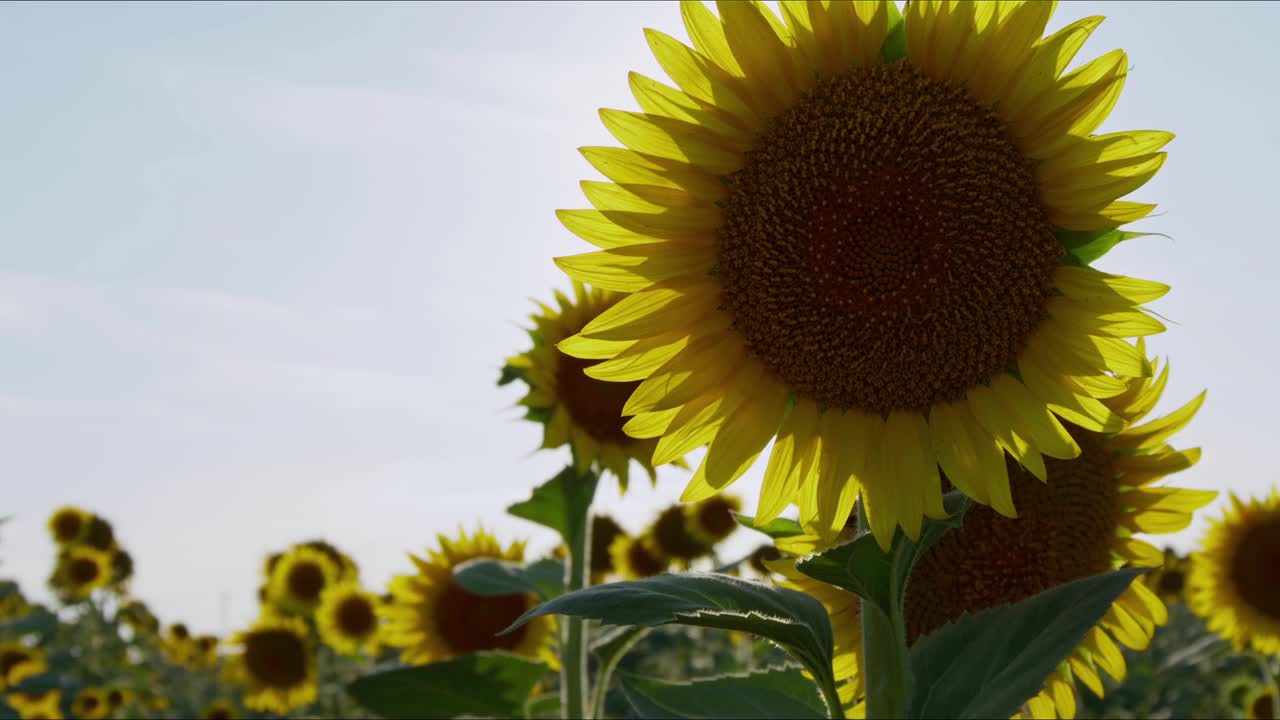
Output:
(348, 619)
(138, 617)
(567, 395)
(1169, 581)
(347, 569)
(90, 704)
(32, 707)
(204, 651)
(604, 531)
(433, 618)
(861, 249)
(81, 570)
(299, 578)
(117, 697)
(69, 525)
(220, 710)
(712, 520)
(178, 644)
(100, 536)
(121, 569)
(1234, 582)
(276, 665)
(1261, 705)
(19, 662)
(674, 538)
(13, 604)
(1079, 519)
(638, 557)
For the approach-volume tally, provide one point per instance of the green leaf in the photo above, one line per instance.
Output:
(776, 528)
(793, 620)
(608, 650)
(772, 693)
(37, 621)
(486, 576)
(543, 706)
(477, 685)
(989, 664)
(510, 374)
(1085, 246)
(560, 503)
(895, 42)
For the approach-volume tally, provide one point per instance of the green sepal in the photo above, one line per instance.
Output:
(895, 40)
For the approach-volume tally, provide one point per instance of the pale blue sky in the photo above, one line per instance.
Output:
(262, 262)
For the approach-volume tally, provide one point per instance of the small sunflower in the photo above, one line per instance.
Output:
(178, 644)
(299, 579)
(1261, 705)
(673, 538)
(19, 662)
(1169, 581)
(117, 697)
(638, 557)
(1235, 578)
(204, 651)
(138, 617)
(712, 520)
(101, 535)
(276, 665)
(347, 569)
(761, 557)
(433, 618)
(69, 525)
(81, 570)
(13, 604)
(567, 396)
(47, 706)
(90, 704)
(1078, 519)
(121, 568)
(220, 710)
(604, 531)
(348, 619)
(863, 251)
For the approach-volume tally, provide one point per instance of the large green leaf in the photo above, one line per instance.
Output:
(795, 621)
(477, 685)
(560, 503)
(987, 665)
(771, 693)
(775, 528)
(895, 42)
(486, 576)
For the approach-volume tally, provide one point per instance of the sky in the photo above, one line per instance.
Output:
(260, 265)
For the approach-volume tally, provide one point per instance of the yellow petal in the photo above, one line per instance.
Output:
(672, 139)
(1102, 153)
(1139, 552)
(1106, 654)
(1033, 420)
(1141, 470)
(700, 78)
(641, 359)
(1111, 323)
(655, 98)
(698, 422)
(707, 34)
(636, 267)
(1088, 189)
(764, 57)
(626, 167)
(1049, 58)
(704, 366)
(1086, 412)
(1154, 433)
(592, 349)
(651, 424)
(957, 451)
(1076, 105)
(745, 434)
(783, 473)
(1084, 671)
(1086, 285)
(662, 307)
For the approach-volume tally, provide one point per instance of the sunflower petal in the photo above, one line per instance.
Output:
(783, 473)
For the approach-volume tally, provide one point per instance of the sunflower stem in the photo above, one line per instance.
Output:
(884, 648)
(574, 686)
(831, 696)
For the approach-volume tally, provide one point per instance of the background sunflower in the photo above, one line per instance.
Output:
(1234, 583)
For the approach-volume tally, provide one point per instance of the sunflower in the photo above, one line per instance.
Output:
(219, 710)
(638, 557)
(13, 604)
(1261, 705)
(347, 569)
(138, 617)
(1169, 581)
(81, 570)
(568, 396)
(204, 651)
(69, 525)
(1079, 520)
(90, 704)
(604, 531)
(712, 520)
(121, 568)
(348, 619)
(1234, 583)
(433, 618)
(19, 662)
(177, 644)
(276, 665)
(761, 557)
(299, 578)
(673, 538)
(117, 697)
(856, 241)
(32, 707)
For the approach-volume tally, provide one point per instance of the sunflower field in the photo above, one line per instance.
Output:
(868, 240)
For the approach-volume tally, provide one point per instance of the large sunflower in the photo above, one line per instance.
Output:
(434, 618)
(347, 619)
(276, 665)
(853, 236)
(298, 579)
(565, 394)
(1079, 519)
(1235, 581)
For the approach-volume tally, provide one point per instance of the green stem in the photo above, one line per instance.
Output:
(605, 673)
(885, 649)
(831, 696)
(573, 648)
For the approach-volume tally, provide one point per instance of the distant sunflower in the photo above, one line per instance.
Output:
(856, 241)
(13, 604)
(101, 535)
(432, 618)
(712, 520)
(204, 651)
(121, 568)
(19, 662)
(90, 704)
(69, 525)
(220, 710)
(276, 665)
(761, 557)
(299, 579)
(1078, 519)
(604, 531)
(564, 394)
(1235, 578)
(81, 570)
(46, 706)
(348, 619)
(1169, 581)
(638, 557)
(178, 644)
(1261, 705)
(138, 617)
(673, 538)
(347, 569)
(117, 697)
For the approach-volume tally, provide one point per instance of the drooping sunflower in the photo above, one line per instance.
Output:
(90, 704)
(220, 710)
(276, 665)
(604, 531)
(1169, 581)
(1078, 520)
(348, 619)
(69, 525)
(81, 570)
(47, 706)
(867, 237)
(1261, 705)
(636, 557)
(567, 396)
(121, 569)
(101, 535)
(1234, 582)
(299, 578)
(712, 520)
(431, 617)
(19, 662)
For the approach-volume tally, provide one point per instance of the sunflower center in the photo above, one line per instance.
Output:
(595, 405)
(604, 530)
(115, 698)
(179, 631)
(89, 703)
(83, 571)
(10, 659)
(356, 617)
(1263, 707)
(1172, 582)
(305, 581)
(715, 516)
(884, 246)
(643, 562)
(218, 714)
(101, 535)
(276, 658)
(1255, 568)
(468, 622)
(1064, 532)
(67, 526)
(671, 533)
